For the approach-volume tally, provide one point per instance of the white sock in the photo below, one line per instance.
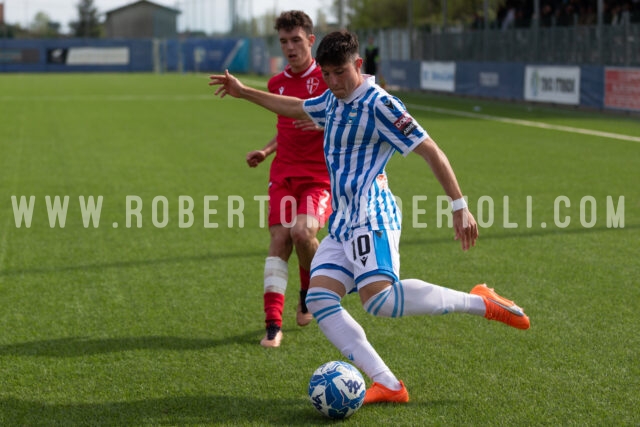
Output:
(348, 336)
(276, 273)
(413, 297)
(388, 380)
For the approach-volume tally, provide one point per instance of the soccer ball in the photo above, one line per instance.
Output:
(337, 389)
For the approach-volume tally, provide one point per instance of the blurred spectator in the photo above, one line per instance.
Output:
(615, 14)
(478, 21)
(562, 16)
(509, 19)
(587, 13)
(635, 10)
(547, 14)
(625, 13)
(519, 13)
(371, 57)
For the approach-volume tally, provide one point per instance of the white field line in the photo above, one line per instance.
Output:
(4, 243)
(520, 122)
(529, 123)
(107, 97)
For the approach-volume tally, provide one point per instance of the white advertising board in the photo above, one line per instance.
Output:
(439, 76)
(560, 85)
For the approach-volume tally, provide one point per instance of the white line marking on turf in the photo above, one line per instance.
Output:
(520, 122)
(4, 244)
(107, 98)
(258, 83)
(13, 183)
(529, 123)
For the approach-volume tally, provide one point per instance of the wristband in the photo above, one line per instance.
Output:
(458, 204)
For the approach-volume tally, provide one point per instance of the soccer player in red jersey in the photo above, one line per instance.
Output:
(299, 187)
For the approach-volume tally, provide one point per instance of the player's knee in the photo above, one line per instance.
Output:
(383, 304)
(301, 234)
(322, 302)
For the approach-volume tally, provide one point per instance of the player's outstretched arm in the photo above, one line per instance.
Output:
(464, 223)
(284, 105)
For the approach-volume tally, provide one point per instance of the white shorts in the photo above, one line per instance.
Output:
(367, 257)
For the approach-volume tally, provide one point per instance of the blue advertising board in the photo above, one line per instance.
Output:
(490, 80)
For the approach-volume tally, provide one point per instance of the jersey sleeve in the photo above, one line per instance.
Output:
(316, 108)
(396, 125)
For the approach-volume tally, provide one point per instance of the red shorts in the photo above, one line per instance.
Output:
(294, 196)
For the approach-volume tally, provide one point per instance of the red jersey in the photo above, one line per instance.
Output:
(299, 153)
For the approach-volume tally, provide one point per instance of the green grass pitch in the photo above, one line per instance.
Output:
(160, 324)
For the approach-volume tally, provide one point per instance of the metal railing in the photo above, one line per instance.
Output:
(617, 45)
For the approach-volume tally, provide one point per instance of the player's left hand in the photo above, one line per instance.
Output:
(307, 125)
(466, 228)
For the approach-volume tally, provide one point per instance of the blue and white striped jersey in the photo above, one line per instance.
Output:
(361, 134)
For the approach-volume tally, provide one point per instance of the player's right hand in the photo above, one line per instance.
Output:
(229, 85)
(306, 125)
(466, 228)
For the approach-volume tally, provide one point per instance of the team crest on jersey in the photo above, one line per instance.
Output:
(281, 90)
(389, 104)
(312, 84)
(405, 124)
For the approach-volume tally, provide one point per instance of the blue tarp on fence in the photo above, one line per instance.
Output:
(86, 55)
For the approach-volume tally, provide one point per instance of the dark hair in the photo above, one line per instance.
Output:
(292, 19)
(337, 48)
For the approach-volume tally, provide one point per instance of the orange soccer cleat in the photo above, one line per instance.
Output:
(273, 336)
(378, 393)
(501, 309)
(303, 318)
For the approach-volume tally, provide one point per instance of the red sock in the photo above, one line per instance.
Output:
(273, 306)
(305, 276)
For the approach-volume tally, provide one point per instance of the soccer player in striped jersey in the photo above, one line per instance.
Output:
(364, 127)
(299, 188)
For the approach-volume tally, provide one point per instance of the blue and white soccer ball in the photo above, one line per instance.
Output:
(337, 389)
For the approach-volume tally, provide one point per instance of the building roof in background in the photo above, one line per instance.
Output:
(159, 6)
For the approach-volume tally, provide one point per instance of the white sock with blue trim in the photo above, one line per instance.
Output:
(348, 336)
(414, 297)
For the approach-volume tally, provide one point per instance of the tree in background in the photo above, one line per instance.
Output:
(6, 31)
(88, 24)
(43, 26)
(262, 26)
(377, 14)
